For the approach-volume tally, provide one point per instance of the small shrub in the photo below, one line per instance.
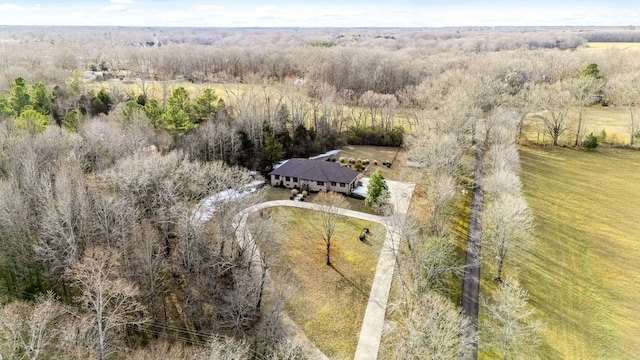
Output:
(333, 160)
(342, 160)
(352, 161)
(591, 142)
(304, 193)
(602, 138)
(366, 161)
(359, 161)
(294, 192)
(358, 167)
(375, 162)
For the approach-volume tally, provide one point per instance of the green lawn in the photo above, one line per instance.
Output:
(583, 273)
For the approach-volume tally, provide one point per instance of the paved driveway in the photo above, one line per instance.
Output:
(373, 322)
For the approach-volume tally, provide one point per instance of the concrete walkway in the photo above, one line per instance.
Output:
(373, 322)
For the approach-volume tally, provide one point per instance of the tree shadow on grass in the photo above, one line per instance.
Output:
(358, 285)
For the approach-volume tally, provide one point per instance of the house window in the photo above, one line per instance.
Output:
(333, 183)
(287, 178)
(277, 177)
(342, 184)
(295, 179)
(320, 183)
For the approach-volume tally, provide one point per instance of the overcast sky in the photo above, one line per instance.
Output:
(320, 13)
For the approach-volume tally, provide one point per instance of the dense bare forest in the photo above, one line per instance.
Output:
(109, 137)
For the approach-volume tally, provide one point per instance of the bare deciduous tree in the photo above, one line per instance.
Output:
(66, 227)
(508, 225)
(111, 301)
(624, 89)
(30, 331)
(433, 329)
(511, 330)
(330, 205)
(585, 91)
(554, 101)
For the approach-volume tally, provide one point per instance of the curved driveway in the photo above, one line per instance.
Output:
(373, 322)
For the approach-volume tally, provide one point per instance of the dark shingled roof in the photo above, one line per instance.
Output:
(316, 170)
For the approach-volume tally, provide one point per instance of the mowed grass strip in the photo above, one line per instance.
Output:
(583, 272)
(327, 303)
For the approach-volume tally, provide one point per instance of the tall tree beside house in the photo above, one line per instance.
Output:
(377, 192)
(272, 153)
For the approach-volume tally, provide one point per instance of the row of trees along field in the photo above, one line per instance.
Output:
(100, 173)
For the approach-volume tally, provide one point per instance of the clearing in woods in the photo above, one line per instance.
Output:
(614, 120)
(582, 273)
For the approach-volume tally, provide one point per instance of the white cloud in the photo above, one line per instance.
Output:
(266, 8)
(121, 1)
(209, 7)
(179, 16)
(11, 7)
(114, 8)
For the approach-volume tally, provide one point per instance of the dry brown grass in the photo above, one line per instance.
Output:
(327, 302)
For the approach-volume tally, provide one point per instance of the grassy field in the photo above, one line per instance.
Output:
(614, 45)
(614, 120)
(328, 303)
(582, 274)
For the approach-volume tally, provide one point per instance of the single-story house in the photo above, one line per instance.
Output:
(315, 175)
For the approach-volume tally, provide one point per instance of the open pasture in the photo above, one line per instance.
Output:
(582, 273)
